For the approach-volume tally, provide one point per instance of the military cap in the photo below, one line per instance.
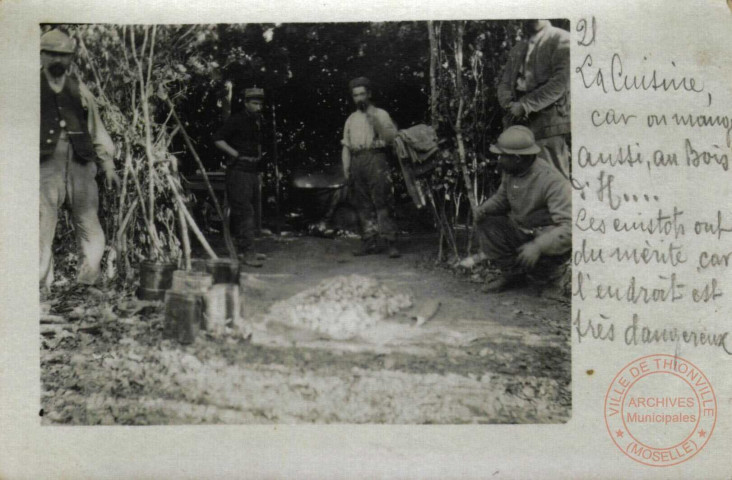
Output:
(360, 82)
(57, 41)
(253, 94)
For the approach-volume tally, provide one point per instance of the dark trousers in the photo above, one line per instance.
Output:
(241, 190)
(500, 238)
(372, 194)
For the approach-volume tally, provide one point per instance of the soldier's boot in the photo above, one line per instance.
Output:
(250, 259)
(369, 246)
(393, 251)
(505, 281)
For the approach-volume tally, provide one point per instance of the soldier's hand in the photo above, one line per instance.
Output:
(529, 254)
(517, 110)
(112, 179)
(478, 214)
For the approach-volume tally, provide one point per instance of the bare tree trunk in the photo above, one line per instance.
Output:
(458, 43)
(434, 116)
(144, 95)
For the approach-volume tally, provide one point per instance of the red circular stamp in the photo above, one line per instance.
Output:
(660, 410)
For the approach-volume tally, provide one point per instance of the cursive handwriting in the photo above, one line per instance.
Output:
(615, 78)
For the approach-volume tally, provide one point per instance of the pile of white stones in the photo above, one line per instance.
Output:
(340, 307)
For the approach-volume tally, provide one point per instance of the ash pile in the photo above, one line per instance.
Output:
(340, 307)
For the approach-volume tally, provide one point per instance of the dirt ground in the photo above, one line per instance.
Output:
(501, 358)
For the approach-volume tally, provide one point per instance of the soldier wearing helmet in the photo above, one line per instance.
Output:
(73, 145)
(525, 227)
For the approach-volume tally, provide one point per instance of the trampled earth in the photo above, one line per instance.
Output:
(500, 358)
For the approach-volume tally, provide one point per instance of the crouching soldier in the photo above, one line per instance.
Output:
(525, 227)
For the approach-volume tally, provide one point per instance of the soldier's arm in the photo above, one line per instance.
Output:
(383, 124)
(346, 152)
(346, 159)
(496, 204)
(504, 90)
(103, 144)
(222, 135)
(557, 240)
(558, 82)
(226, 148)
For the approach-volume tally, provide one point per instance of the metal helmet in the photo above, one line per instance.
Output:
(57, 41)
(518, 140)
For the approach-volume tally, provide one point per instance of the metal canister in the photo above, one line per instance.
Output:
(183, 315)
(223, 270)
(155, 278)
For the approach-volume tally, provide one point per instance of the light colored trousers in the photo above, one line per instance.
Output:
(65, 181)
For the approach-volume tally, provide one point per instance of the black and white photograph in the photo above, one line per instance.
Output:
(305, 223)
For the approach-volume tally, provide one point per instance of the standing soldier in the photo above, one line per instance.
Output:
(73, 143)
(241, 139)
(534, 89)
(366, 137)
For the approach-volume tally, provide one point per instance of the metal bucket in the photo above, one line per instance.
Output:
(214, 307)
(198, 264)
(223, 270)
(155, 279)
(220, 305)
(183, 315)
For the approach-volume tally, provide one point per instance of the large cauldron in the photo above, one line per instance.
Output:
(323, 197)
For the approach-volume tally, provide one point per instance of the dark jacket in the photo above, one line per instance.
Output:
(243, 132)
(547, 100)
(64, 110)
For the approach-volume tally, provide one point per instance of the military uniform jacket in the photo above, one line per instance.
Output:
(546, 99)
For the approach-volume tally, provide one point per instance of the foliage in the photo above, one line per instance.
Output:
(304, 68)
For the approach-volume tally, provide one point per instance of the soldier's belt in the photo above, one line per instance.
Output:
(368, 150)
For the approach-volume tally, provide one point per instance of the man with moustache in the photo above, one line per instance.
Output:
(534, 89)
(526, 226)
(367, 135)
(74, 143)
(241, 139)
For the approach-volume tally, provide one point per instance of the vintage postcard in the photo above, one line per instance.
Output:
(290, 240)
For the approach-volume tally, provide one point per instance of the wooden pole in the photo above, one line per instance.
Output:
(227, 232)
(189, 218)
(185, 239)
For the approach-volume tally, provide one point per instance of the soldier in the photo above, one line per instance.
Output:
(241, 139)
(368, 133)
(526, 226)
(534, 89)
(73, 143)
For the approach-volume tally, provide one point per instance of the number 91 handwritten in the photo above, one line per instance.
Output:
(588, 30)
